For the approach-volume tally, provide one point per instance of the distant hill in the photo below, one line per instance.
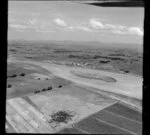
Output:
(77, 44)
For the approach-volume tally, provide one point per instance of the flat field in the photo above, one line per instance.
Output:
(100, 89)
(106, 122)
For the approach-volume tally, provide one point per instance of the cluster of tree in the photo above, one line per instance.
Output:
(98, 56)
(46, 89)
(80, 56)
(59, 86)
(45, 79)
(74, 56)
(125, 71)
(115, 58)
(13, 50)
(117, 54)
(14, 75)
(62, 51)
(28, 57)
(61, 117)
(22, 74)
(107, 57)
(104, 62)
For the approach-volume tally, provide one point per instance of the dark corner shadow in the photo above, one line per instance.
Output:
(139, 3)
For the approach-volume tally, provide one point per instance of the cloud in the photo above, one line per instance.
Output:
(17, 26)
(128, 31)
(84, 28)
(97, 26)
(94, 25)
(33, 21)
(80, 27)
(136, 30)
(119, 29)
(73, 27)
(30, 24)
(60, 22)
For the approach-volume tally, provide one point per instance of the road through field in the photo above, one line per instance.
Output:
(84, 100)
(125, 84)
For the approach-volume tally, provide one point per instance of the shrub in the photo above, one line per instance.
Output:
(61, 116)
(49, 88)
(44, 89)
(22, 74)
(104, 62)
(126, 71)
(14, 75)
(9, 86)
(59, 86)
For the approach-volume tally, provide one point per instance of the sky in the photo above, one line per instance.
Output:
(64, 20)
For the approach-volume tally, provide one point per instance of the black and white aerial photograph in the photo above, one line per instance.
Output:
(75, 67)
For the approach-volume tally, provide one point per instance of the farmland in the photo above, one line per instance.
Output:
(89, 86)
(115, 59)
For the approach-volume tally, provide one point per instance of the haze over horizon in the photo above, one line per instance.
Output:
(55, 20)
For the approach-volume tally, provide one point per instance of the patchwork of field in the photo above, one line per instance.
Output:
(103, 57)
(25, 79)
(115, 119)
(128, 85)
(9, 128)
(86, 100)
(32, 113)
